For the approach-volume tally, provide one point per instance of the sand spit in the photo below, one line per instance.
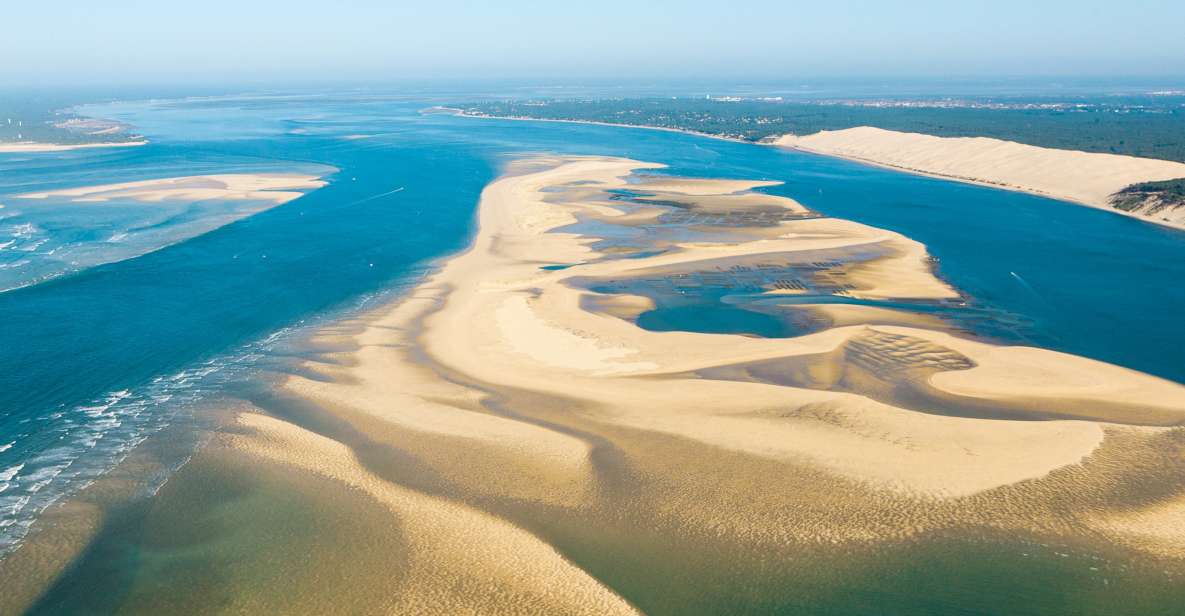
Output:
(29, 147)
(275, 188)
(1082, 177)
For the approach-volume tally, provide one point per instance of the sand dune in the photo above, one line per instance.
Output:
(1082, 177)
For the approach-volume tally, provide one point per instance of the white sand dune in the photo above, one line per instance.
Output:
(1087, 178)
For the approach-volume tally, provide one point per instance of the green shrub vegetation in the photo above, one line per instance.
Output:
(1165, 194)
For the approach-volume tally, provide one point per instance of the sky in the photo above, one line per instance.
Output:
(107, 41)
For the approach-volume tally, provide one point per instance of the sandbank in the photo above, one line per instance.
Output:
(275, 188)
(497, 363)
(28, 147)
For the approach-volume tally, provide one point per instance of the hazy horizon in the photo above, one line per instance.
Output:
(134, 41)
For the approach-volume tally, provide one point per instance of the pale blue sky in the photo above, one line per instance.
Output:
(638, 39)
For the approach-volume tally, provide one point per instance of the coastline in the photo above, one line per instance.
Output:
(985, 184)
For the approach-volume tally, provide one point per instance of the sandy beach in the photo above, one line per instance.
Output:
(1086, 178)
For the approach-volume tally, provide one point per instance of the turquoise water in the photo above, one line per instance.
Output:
(96, 355)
